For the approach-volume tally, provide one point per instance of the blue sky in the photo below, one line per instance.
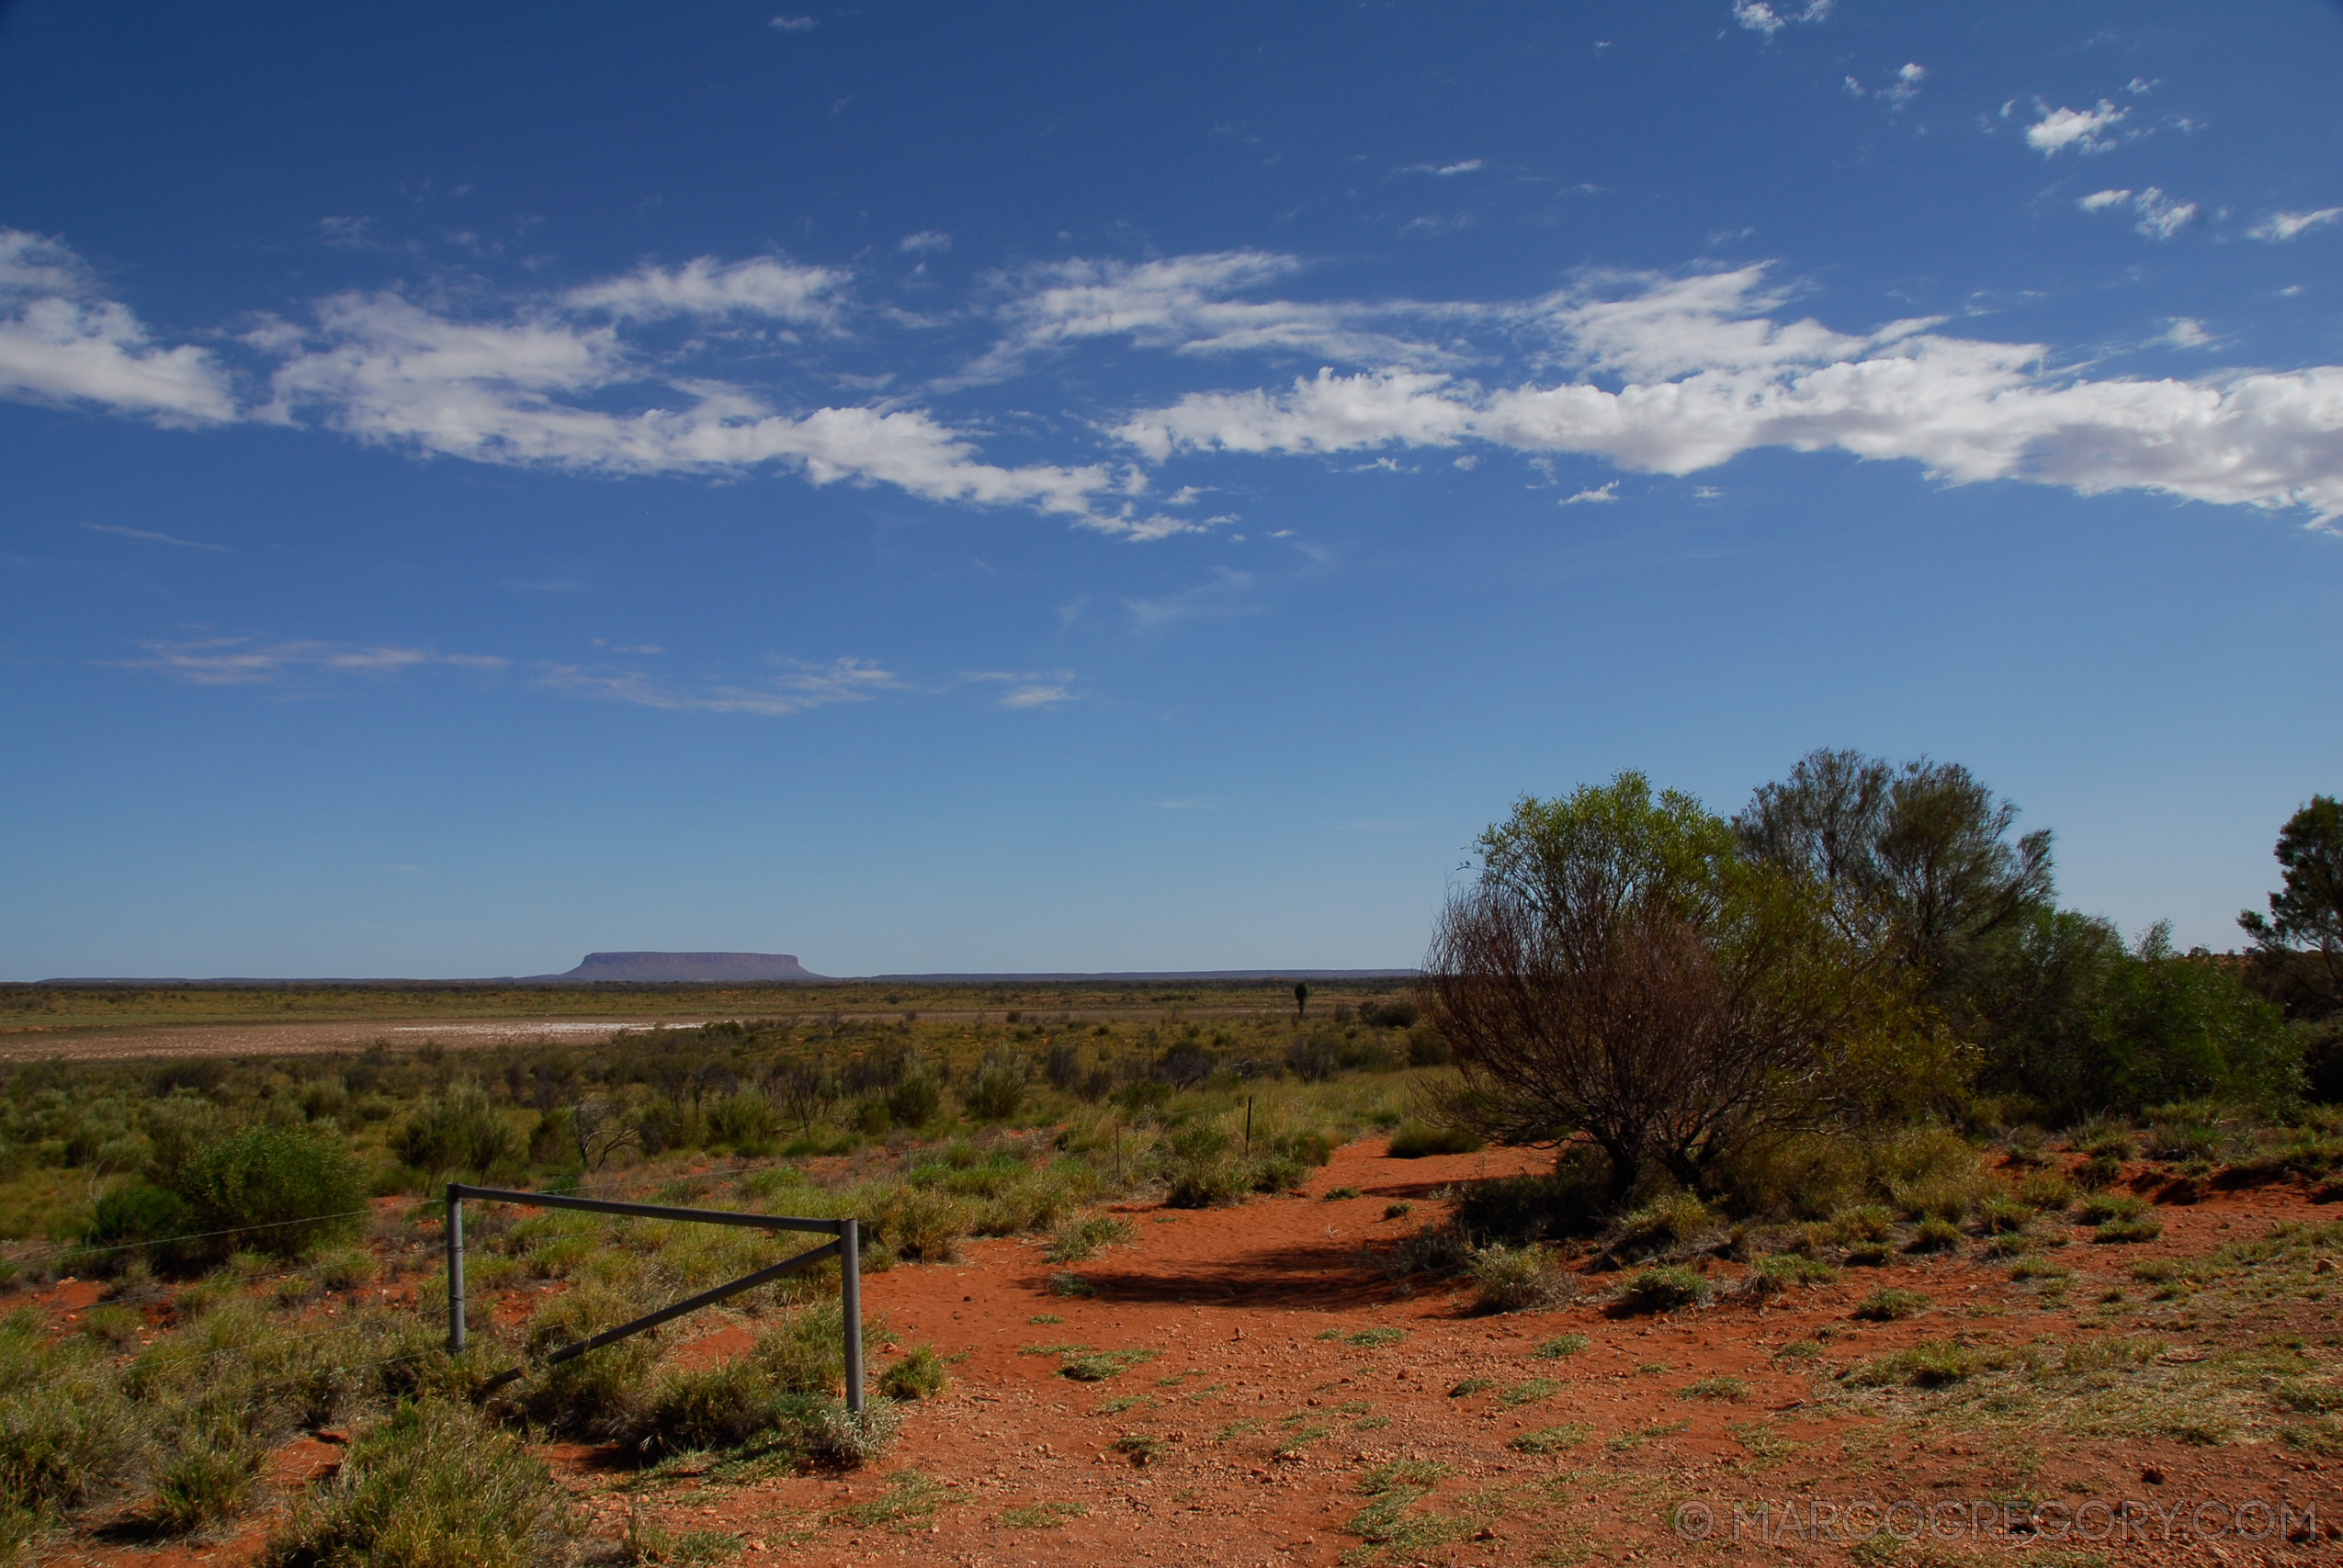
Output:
(1101, 487)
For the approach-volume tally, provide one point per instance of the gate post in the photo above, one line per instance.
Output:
(455, 1269)
(850, 1302)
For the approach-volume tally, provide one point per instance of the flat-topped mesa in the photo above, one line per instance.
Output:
(740, 967)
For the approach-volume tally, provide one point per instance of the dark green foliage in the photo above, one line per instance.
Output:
(125, 1217)
(919, 1375)
(915, 1102)
(1515, 1210)
(458, 1132)
(280, 1189)
(996, 1090)
(1662, 1290)
(1414, 1140)
(2306, 915)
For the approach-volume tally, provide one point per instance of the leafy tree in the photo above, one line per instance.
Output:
(2306, 915)
(1618, 973)
(1918, 860)
(275, 1189)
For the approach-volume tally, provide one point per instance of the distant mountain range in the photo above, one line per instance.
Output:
(737, 968)
(770, 968)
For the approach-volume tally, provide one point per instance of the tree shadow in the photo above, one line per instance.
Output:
(1320, 1274)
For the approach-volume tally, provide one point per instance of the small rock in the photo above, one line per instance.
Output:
(2153, 1474)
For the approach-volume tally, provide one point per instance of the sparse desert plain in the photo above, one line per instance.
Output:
(1268, 1381)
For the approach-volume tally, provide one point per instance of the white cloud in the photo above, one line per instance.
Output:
(1599, 494)
(239, 662)
(61, 341)
(2281, 227)
(795, 690)
(1040, 697)
(1443, 170)
(1224, 594)
(2186, 331)
(2160, 216)
(927, 241)
(794, 24)
(521, 390)
(763, 287)
(1967, 410)
(1760, 16)
(1329, 414)
(2078, 129)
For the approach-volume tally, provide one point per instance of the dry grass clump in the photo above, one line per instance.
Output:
(1516, 1279)
(433, 1486)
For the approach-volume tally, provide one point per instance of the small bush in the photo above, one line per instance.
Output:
(130, 1223)
(1516, 1279)
(458, 1132)
(1662, 1290)
(1929, 1365)
(1520, 1208)
(1662, 1226)
(1080, 1237)
(209, 1471)
(997, 1092)
(1730, 1389)
(281, 1190)
(434, 1487)
(1868, 1221)
(914, 1102)
(1559, 1347)
(1205, 1173)
(919, 1375)
(2115, 1232)
(2099, 1208)
(1891, 1306)
(2003, 1216)
(1414, 1140)
(1935, 1234)
(2045, 1192)
(1336, 1195)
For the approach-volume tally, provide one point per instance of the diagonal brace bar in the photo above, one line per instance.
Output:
(693, 1303)
(458, 1191)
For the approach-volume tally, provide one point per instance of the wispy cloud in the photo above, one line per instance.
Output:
(788, 24)
(796, 688)
(149, 536)
(2281, 227)
(1443, 170)
(1226, 594)
(807, 296)
(241, 661)
(927, 241)
(1599, 494)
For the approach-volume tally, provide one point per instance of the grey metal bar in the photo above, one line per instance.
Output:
(822, 1254)
(455, 1269)
(649, 1210)
(850, 1306)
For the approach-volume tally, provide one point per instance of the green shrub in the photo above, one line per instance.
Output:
(1204, 1172)
(1662, 1290)
(459, 1132)
(1891, 1306)
(919, 1375)
(1516, 1279)
(132, 1223)
(1868, 1221)
(433, 1486)
(1515, 1210)
(2003, 1216)
(1935, 1234)
(923, 1223)
(209, 1471)
(2143, 1227)
(1662, 1226)
(996, 1091)
(281, 1190)
(1414, 1140)
(917, 1100)
(1560, 1346)
(1080, 1237)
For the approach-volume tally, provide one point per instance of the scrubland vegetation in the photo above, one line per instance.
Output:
(1849, 1026)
